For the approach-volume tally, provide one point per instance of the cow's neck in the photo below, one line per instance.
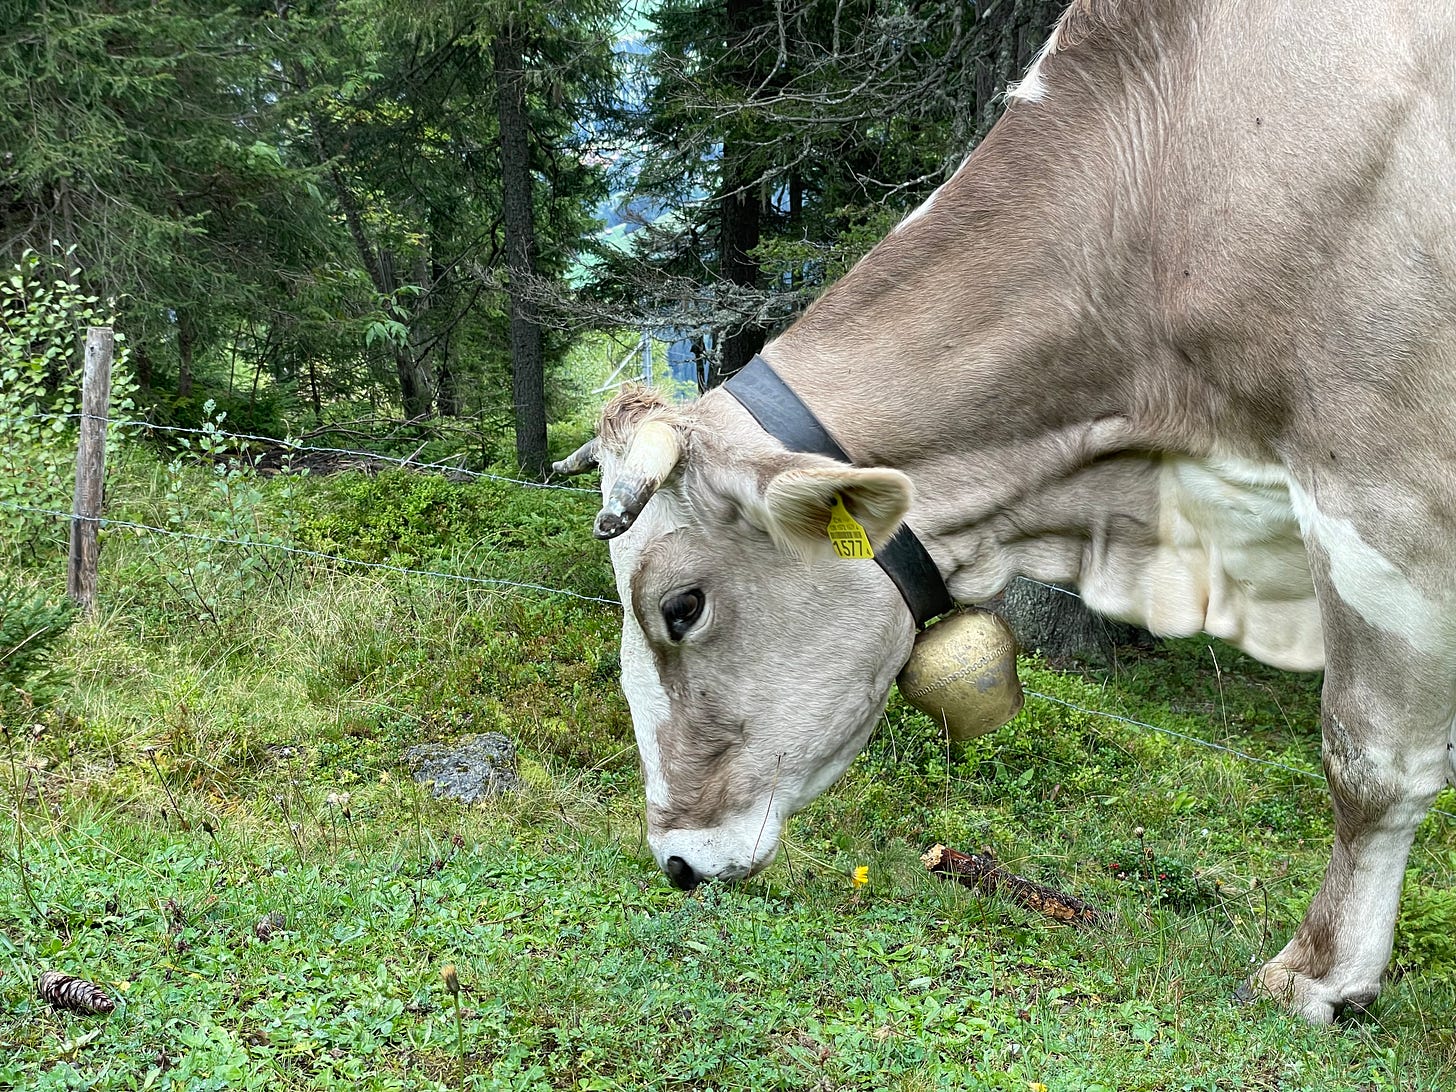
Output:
(995, 341)
(1004, 348)
(1027, 296)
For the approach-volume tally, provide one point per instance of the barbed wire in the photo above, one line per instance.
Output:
(1049, 587)
(107, 521)
(294, 445)
(528, 586)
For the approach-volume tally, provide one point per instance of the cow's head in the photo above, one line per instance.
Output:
(755, 660)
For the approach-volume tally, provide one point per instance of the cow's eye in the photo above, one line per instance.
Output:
(681, 610)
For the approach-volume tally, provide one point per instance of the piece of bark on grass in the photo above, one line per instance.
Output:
(984, 874)
(65, 991)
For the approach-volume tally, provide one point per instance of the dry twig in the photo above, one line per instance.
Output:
(984, 874)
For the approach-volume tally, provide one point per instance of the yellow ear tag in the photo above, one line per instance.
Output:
(846, 534)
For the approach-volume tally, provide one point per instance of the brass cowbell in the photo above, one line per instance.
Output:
(962, 673)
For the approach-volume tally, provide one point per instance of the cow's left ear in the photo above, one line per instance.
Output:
(800, 501)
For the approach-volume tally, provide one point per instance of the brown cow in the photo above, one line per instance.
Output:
(1181, 332)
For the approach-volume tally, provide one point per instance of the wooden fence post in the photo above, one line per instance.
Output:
(90, 467)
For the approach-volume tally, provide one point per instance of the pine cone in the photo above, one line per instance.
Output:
(263, 930)
(65, 991)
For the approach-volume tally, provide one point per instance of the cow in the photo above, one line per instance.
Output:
(1181, 333)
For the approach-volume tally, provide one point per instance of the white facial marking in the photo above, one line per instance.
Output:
(649, 704)
(1371, 585)
(796, 741)
(1032, 87)
(732, 850)
(648, 701)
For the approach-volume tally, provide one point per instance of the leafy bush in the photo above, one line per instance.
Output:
(43, 321)
(481, 528)
(1426, 932)
(230, 533)
(397, 517)
(30, 626)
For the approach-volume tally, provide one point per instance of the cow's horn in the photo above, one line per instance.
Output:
(654, 451)
(579, 461)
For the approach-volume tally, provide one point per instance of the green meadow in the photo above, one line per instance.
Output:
(204, 810)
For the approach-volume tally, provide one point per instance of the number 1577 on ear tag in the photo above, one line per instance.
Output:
(847, 535)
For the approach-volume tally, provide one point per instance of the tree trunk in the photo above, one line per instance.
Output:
(416, 383)
(186, 345)
(740, 229)
(417, 380)
(1055, 622)
(528, 387)
(702, 363)
(451, 398)
(449, 392)
(313, 390)
(141, 362)
(740, 201)
(416, 391)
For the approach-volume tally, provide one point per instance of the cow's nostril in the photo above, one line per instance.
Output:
(681, 874)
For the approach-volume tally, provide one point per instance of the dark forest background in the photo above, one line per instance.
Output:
(360, 214)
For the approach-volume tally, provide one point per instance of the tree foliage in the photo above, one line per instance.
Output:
(316, 211)
(789, 136)
(44, 314)
(297, 206)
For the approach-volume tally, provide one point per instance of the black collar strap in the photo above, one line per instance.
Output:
(785, 417)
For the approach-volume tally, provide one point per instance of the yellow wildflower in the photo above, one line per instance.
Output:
(861, 875)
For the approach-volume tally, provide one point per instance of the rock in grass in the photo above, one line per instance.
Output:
(65, 991)
(473, 769)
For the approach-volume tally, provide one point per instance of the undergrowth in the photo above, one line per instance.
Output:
(201, 774)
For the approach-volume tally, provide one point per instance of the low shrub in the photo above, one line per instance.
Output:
(30, 626)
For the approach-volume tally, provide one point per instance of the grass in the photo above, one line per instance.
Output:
(207, 769)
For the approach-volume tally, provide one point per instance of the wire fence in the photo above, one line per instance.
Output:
(291, 445)
(1184, 736)
(527, 586)
(502, 582)
(299, 551)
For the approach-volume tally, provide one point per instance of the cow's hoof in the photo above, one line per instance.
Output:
(1308, 998)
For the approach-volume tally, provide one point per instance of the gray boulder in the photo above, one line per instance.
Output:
(473, 769)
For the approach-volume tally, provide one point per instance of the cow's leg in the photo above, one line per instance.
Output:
(1387, 719)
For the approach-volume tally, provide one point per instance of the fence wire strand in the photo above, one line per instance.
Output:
(1178, 735)
(294, 445)
(316, 554)
(1049, 587)
(1198, 741)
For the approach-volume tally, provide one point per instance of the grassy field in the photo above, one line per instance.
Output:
(224, 745)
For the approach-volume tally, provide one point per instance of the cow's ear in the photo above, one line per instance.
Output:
(799, 503)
